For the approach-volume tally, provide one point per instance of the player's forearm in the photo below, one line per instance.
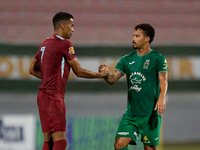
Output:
(110, 79)
(84, 73)
(163, 84)
(34, 69)
(36, 74)
(163, 89)
(114, 77)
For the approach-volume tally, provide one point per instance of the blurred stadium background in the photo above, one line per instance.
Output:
(103, 33)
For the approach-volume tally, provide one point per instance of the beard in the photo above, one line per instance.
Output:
(135, 47)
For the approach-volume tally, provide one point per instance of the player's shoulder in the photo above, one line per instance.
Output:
(156, 54)
(66, 42)
(130, 54)
(63, 40)
(59, 39)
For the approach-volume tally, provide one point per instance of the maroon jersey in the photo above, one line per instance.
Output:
(53, 56)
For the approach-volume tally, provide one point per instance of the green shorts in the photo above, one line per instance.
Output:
(147, 126)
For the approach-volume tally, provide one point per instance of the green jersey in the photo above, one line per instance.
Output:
(142, 80)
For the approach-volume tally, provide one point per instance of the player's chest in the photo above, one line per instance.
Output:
(141, 64)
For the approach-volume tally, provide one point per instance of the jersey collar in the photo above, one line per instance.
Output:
(145, 54)
(59, 37)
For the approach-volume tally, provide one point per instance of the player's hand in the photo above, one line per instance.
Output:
(103, 70)
(103, 67)
(160, 106)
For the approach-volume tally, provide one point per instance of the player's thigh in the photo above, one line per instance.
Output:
(151, 129)
(58, 115)
(52, 113)
(127, 128)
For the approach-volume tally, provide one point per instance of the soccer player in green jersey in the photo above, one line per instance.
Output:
(146, 71)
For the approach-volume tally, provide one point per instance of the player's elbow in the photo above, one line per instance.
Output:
(111, 83)
(31, 71)
(78, 74)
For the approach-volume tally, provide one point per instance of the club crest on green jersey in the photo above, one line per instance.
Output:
(146, 64)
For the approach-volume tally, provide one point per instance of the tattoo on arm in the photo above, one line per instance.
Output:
(114, 77)
(163, 75)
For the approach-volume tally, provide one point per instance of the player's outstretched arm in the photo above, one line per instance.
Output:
(161, 105)
(112, 77)
(34, 69)
(84, 73)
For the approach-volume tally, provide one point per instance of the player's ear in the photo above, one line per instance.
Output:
(62, 26)
(147, 39)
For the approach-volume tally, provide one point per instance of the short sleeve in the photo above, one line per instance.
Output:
(37, 56)
(68, 50)
(162, 64)
(121, 66)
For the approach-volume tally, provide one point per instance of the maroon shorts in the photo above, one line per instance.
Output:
(52, 113)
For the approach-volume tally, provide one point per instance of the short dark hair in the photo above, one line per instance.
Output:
(61, 16)
(147, 29)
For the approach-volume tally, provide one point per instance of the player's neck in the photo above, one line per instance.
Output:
(58, 33)
(143, 51)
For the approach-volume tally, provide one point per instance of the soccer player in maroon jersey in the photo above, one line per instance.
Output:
(52, 64)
